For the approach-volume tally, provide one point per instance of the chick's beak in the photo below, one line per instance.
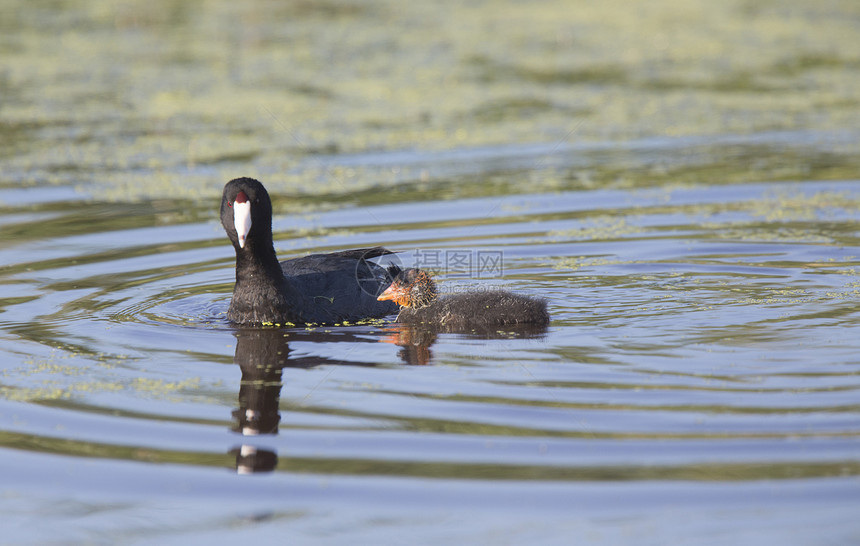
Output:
(394, 292)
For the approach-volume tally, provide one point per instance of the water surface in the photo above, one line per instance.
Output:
(692, 224)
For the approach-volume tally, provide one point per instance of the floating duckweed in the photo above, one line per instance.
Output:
(601, 72)
(573, 264)
(803, 207)
(601, 228)
(162, 387)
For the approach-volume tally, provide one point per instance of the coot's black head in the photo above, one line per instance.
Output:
(411, 288)
(246, 214)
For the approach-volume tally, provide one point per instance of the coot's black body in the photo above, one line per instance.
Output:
(318, 289)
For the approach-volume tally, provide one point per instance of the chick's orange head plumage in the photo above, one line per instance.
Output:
(397, 292)
(411, 288)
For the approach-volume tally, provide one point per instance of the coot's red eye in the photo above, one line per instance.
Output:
(229, 204)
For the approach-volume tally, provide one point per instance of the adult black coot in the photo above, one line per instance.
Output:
(415, 291)
(315, 289)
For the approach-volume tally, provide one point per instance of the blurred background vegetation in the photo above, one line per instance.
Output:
(145, 99)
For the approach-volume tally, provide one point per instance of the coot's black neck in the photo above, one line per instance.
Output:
(262, 293)
(256, 260)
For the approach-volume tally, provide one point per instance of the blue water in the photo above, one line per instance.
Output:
(681, 183)
(698, 382)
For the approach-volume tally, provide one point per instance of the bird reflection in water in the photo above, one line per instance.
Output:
(263, 353)
(415, 340)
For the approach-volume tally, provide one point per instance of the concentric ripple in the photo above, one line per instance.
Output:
(701, 335)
